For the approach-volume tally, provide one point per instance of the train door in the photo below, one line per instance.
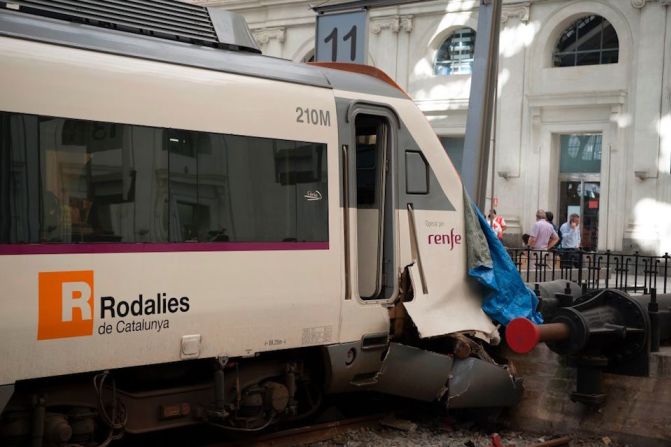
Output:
(368, 136)
(375, 227)
(370, 226)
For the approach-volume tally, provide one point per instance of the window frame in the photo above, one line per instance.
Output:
(35, 245)
(449, 63)
(577, 52)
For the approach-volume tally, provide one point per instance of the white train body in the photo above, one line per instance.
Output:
(284, 255)
(238, 300)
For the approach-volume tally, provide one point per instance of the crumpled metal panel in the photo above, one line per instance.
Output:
(414, 373)
(448, 307)
(477, 383)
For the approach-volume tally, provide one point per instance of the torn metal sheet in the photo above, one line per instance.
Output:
(448, 307)
(414, 373)
(477, 383)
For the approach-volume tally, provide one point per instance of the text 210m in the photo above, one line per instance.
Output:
(316, 117)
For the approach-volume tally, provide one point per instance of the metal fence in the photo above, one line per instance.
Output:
(634, 273)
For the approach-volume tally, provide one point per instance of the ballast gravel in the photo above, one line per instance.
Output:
(437, 433)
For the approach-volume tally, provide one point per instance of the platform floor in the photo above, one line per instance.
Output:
(637, 410)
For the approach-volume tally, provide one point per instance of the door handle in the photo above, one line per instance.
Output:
(345, 213)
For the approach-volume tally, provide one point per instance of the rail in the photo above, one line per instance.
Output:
(633, 273)
(304, 435)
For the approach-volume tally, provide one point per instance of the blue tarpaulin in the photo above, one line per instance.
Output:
(507, 297)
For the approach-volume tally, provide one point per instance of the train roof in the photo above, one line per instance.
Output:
(113, 41)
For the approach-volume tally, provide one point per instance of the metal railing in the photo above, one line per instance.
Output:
(634, 273)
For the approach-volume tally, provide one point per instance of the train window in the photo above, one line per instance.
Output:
(366, 169)
(370, 139)
(69, 181)
(248, 189)
(416, 173)
(180, 142)
(72, 181)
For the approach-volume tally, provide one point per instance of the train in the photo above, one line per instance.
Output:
(194, 233)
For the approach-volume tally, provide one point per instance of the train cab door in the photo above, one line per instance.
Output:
(372, 231)
(367, 135)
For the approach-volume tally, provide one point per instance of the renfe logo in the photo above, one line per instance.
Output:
(65, 304)
(450, 239)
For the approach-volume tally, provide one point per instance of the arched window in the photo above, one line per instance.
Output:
(590, 40)
(455, 55)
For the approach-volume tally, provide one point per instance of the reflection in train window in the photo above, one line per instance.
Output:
(69, 181)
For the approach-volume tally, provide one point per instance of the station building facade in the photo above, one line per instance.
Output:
(583, 122)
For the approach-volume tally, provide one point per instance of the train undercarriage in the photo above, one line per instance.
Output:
(251, 394)
(599, 331)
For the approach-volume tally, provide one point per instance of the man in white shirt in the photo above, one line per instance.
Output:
(542, 235)
(570, 233)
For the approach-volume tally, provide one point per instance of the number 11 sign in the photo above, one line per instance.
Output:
(342, 37)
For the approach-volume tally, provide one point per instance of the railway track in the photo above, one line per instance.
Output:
(376, 424)
(304, 435)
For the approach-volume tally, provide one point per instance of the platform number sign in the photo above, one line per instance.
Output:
(342, 37)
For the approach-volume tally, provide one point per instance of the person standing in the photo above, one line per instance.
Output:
(549, 216)
(542, 235)
(570, 233)
(570, 242)
(499, 221)
(496, 227)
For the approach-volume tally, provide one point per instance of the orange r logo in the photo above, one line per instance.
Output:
(65, 304)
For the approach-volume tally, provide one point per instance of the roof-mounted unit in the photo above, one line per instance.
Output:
(164, 19)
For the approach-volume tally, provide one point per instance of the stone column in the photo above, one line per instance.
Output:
(403, 55)
(642, 232)
(383, 42)
(509, 187)
(664, 182)
(617, 185)
(648, 91)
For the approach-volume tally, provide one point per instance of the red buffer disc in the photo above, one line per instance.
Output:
(522, 335)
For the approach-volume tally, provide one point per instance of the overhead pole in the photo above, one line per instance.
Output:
(481, 103)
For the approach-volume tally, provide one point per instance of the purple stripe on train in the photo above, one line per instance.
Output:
(48, 249)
